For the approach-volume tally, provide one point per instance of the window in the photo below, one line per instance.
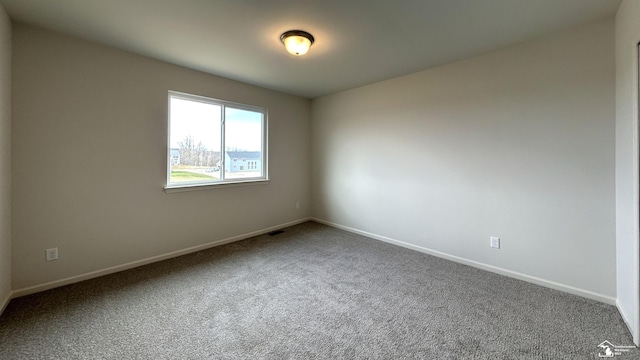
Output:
(208, 137)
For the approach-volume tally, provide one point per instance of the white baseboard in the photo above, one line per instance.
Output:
(628, 322)
(494, 269)
(94, 274)
(90, 275)
(5, 301)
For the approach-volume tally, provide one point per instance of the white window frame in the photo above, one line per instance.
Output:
(202, 185)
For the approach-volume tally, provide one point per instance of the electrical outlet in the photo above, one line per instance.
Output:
(494, 242)
(52, 254)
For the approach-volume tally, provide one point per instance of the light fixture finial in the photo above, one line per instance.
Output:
(297, 42)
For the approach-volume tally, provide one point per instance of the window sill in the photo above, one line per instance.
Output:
(198, 187)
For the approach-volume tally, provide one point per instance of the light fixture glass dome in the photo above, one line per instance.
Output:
(297, 42)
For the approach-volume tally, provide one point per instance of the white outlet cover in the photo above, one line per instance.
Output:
(52, 254)
(494, 242)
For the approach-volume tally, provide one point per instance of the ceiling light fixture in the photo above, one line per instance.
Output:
(297, 42)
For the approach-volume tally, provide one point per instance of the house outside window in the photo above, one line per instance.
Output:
(232, 156)
(175, 156)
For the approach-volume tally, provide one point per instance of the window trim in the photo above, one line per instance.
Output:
(200, 187)
(204, 185)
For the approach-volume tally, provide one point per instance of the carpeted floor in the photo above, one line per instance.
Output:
(312, 292)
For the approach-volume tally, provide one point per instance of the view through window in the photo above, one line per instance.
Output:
(213, 141)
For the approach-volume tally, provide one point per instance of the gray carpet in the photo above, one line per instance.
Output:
(312, 292)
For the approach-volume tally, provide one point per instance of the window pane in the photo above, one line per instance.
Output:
(243, 143)
(194, 138)
(214, 142)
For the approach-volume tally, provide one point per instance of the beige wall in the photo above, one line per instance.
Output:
(518, 143)
(90, 135)
(628, 276)
(5, 157)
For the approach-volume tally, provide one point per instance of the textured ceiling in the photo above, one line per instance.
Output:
(357, 42)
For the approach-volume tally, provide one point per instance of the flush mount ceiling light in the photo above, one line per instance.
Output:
(297, 42)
